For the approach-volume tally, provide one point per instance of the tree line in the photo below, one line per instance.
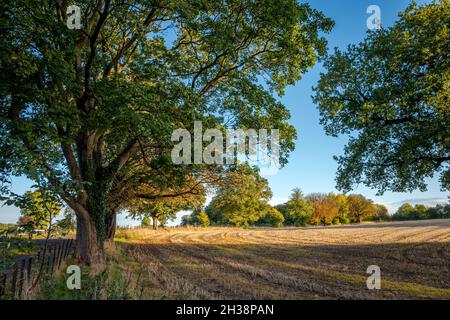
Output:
(421, 212)
(317, 209)
(243, 200)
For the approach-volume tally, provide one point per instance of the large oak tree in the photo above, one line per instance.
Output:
(82, 110)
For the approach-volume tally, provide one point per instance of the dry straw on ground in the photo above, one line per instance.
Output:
(292, 263)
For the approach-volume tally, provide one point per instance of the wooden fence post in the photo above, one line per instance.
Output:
(58, 252)
(13, 282)
(21, 276)
(66, 248)
(50, 261)
(63, 251)
(71, 247)
(29, 266)
(47, 259)
(2, 284)
(54, 258)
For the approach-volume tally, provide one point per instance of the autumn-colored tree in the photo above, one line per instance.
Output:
(360, 207)
(202, 219)
(343, 209)
(325, 208)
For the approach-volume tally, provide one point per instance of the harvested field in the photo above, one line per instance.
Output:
(292, 263)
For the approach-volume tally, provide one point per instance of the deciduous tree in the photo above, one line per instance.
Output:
(80, 107)
(325, 208)
(38, 210)
(242, 198)
(273, 217)
(391, 92)
(202, 219)
(360, 207)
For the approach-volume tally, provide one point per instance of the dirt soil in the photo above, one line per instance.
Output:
(292, 263)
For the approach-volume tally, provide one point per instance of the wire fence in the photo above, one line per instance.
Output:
(28, 269)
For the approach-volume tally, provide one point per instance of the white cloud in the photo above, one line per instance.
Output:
(278, 200)
(429, 202)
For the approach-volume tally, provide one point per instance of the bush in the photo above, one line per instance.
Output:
(336, 221)
(344, 220)
(274, 218)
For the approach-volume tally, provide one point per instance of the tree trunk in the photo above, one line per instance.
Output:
(111, 222)
(88, 248)
(155, 222)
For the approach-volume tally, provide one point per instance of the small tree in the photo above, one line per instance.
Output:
(381, 212)
(298, 211)
(67, 223)
(420, 212)
(202, 219)
(38, 210)
(403, 212)
(186, 220)
(146, 221)
(274, 217)
(26, 224)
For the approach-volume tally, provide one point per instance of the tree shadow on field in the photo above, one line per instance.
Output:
(300, 271)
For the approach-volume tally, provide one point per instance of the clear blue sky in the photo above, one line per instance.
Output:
(311, 166)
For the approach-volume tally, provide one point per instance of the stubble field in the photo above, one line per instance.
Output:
(291, 263)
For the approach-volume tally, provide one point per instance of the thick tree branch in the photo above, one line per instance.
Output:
(123, 157)
(93, 43)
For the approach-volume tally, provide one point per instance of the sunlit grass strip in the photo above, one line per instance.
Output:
(419, 290)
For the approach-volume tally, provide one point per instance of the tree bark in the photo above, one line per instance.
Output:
(88, 248)
(111, 223)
